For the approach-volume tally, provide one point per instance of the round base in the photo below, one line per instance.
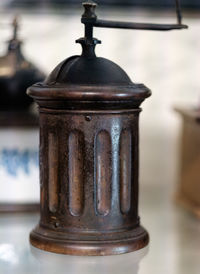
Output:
(122, 242)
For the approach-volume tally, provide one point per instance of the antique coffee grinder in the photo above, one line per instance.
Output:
(89, 110)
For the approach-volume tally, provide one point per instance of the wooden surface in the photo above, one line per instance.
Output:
(188, 193)
(11, 208)
(18, 119)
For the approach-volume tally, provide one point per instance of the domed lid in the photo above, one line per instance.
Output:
(88, 78)
(88, 69)
(16, 74)
(78, 70)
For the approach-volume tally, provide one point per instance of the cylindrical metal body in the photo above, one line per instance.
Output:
(89, 159)
(89, 176)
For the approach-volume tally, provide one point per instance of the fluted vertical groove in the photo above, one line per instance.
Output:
(53, 172)
(103, 172)
(76, 158)
(125, 171)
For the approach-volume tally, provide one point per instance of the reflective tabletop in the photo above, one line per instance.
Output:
(174, 244)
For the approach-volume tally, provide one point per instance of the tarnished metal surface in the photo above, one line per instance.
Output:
(89, 202)
(89, 168)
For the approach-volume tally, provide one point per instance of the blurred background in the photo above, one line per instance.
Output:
(166, 62)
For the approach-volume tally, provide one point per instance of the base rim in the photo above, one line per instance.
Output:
(90, 248)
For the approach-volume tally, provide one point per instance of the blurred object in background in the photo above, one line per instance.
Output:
(18, 130)
(188, 193)
(16, 74)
